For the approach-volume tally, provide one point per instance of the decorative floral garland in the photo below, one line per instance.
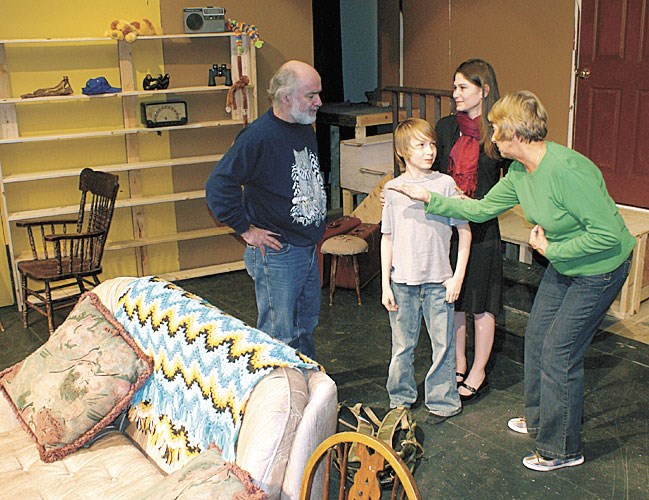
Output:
(239, 29)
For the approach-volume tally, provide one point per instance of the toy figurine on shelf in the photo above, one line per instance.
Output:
(239, 29)
(219, 71)
(62, 88)
(159, 83)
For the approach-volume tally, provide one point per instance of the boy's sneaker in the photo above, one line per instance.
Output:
(535, 461)
(517, 425)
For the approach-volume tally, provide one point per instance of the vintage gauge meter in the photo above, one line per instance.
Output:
(164, 114)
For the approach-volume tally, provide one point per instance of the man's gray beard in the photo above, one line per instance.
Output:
(304, 117)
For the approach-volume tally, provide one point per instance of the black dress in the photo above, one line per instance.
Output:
(482, 287)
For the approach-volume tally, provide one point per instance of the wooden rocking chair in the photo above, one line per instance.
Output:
(67, 253)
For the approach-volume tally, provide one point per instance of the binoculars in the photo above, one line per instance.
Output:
(219, 71)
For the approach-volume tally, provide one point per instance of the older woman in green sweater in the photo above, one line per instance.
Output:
(579, 229)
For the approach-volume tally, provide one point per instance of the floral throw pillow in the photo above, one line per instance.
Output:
(206, 476)
(78, 382)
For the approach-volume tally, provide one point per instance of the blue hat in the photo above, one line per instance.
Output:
(99, 85)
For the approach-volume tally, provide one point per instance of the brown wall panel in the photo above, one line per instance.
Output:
(388, 42)
(529, 43)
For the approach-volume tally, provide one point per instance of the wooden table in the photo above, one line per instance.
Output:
(515, 231)
(358, 116)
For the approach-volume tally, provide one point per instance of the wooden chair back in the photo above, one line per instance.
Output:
(330, 461)
(98, 196)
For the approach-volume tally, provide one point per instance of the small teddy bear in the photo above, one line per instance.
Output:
(144, 27)
(123, 30)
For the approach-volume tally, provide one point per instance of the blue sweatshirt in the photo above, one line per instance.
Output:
(276, 164)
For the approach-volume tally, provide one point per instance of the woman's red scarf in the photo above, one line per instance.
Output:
(463, 158)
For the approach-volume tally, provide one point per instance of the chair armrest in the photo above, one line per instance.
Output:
(73, 236)
(32, 223)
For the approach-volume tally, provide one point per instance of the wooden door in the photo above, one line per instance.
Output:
(612, 105)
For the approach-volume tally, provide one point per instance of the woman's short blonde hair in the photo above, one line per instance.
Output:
(519, 114)
(403, 134)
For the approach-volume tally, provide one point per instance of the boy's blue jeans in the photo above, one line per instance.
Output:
(414, 302)
(562, 323)
(287, 287)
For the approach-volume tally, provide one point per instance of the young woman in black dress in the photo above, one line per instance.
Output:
(465, 151)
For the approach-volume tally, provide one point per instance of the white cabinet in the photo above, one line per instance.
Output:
(162, 225)
(364, 161)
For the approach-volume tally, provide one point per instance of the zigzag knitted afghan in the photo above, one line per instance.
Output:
(206, 364)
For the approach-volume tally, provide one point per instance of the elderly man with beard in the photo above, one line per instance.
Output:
(269, 188)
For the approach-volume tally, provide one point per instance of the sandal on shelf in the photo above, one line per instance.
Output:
(63, 88)
(475, 393)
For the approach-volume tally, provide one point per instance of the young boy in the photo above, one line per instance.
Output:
(417, 279)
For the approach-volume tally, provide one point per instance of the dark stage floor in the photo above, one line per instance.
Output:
(472, 455)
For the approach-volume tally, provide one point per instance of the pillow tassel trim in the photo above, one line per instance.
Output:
(252, 491)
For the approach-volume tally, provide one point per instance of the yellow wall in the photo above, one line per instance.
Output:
(529, 43)
(72, 18)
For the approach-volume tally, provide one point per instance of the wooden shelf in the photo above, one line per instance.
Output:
(155, 240)
(126, 93)
(117, 132)
(124, 203)
(204, 271)
(35, 41)
(16, 41)
(114, 168)
(170, 238)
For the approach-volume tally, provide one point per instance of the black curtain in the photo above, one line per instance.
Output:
(327, 48)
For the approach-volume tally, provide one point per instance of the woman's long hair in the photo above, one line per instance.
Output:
(480, 72)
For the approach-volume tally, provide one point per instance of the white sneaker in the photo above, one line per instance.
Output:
(517, 425)
(535, 461)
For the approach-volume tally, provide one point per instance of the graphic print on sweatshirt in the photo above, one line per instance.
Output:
(309, 198)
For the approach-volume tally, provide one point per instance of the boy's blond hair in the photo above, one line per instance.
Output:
(403, 134)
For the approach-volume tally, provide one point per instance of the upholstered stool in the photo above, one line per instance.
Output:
(344, 245)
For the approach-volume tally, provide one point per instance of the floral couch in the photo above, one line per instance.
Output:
(87, 415)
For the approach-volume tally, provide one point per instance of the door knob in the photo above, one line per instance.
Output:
(584, 74)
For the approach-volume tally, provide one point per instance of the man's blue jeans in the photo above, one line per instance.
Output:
(415, 301)
(564, 318)
(287, 286)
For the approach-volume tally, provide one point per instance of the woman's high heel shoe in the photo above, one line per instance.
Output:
(476, 393)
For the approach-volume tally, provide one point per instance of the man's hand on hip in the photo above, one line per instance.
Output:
(261, 238)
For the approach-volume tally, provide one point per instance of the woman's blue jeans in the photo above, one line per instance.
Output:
(287, 287)
(564, 318)
(415, 301)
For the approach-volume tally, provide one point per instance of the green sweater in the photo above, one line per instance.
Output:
(566, 195)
